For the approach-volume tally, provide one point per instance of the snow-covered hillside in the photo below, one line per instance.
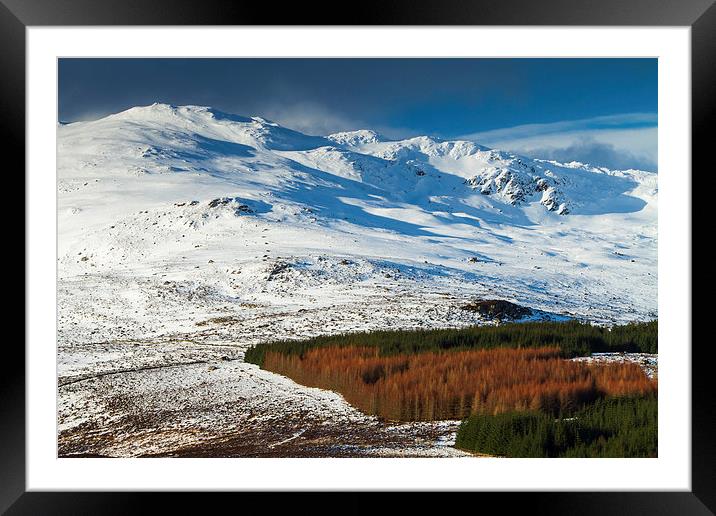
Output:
(185, 224)
(203, 196)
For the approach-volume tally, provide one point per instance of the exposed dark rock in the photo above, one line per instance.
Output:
(223, 201)
(498, 309)
(277, 269)
(219, 202)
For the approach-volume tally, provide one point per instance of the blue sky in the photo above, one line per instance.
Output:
(601, 111)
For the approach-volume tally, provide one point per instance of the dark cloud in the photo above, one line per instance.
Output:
(596, 153)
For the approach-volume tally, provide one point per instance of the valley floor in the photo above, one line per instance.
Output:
(185, 390)
(151, 368)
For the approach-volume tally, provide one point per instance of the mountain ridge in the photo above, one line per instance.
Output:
(512, 178)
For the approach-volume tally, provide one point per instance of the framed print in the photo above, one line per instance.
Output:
(423, 252)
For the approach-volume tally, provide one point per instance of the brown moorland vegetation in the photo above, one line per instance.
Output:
(453, 385)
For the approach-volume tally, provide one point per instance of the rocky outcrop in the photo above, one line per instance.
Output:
(498, 309)
(518, 183)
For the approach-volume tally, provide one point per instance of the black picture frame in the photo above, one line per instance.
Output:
(700, 15)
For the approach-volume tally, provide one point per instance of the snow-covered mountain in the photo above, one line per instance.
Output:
(186, 235)
(188, 203)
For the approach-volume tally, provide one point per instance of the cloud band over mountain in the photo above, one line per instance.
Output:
(617, 141)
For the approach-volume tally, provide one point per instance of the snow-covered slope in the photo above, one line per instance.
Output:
(354, 138)
(227, 205)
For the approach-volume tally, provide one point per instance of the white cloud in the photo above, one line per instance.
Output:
(316, 119)
(310, 118)
(621, 141)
